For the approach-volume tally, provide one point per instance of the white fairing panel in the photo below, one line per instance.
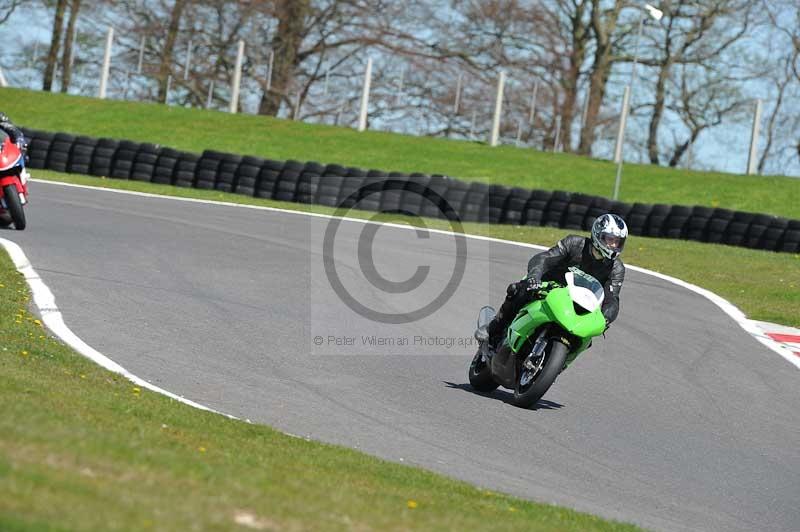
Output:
(588, 297)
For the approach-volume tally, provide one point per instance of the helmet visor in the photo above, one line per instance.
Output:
(613, 242)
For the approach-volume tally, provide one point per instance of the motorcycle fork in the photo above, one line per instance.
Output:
(539, 345)
(18, 184)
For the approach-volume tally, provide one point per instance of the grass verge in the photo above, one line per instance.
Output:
(84, 449)
(196, 130)
(764, 284)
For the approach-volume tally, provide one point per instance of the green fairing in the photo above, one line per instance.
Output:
(556, 307)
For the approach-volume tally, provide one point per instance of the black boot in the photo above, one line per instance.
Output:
(494, 332)
(516, 297)
(482, 334)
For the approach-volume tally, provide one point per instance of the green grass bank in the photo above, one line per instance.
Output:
(196, 130)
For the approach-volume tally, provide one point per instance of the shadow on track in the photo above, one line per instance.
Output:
(506, 397)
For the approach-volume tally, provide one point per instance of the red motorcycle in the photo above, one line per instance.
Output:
(13, 182)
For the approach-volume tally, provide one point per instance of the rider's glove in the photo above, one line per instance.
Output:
(534, 285)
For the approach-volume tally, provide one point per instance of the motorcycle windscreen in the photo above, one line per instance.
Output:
(585, 290)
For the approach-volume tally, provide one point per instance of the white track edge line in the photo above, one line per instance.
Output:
(53, 319)
(726, 306)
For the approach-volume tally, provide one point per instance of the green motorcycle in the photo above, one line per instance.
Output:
(544, 338)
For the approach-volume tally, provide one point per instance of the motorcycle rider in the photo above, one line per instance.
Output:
(18, 138)
(597, 255)
(15, 133)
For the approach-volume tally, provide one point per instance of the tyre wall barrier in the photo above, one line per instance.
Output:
(436, 196)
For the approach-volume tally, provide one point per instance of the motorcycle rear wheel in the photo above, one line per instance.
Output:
(526, 394)
(480, 374)
(14, 206)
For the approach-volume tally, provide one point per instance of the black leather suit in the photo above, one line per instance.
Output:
(12, 131)
(551, 265)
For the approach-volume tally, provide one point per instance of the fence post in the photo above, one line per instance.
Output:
(472, 124)
(188, 60)
(533, 103)
(296, 112)
(339, 114)
(3, 82)
(210, 97)
(558, 134)
(752, 158)
(498, 109)
(237, 78)
(519, 132)
(141, 56)
(106, 64)
(585, 111)
(269, 70)
(169, 86)
(400, 83)
(623, 117)
(458, 94)
(362, 115)
(35, 53)
(74, 47)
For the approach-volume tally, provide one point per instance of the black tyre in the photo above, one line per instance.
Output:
(480, 375)
(14, 206)
(533, 383)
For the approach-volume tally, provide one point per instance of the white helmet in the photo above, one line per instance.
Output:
(608, 235)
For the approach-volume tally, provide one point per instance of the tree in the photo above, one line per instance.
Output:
(55, 41)
(693, 32)
(165, 67)
(286, 43)
(564, 36)
(314, 37)
(7, 8)
(705, 97)
(533, 43)
(783, 56)
(604, 22)
(66, 60)
(575, 50)
(781, 81)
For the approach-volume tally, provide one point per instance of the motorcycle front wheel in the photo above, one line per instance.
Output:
(535, 377)
(14, 206)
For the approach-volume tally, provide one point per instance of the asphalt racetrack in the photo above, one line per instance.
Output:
(678, 420)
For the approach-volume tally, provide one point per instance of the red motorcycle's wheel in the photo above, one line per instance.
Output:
(14, 206)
